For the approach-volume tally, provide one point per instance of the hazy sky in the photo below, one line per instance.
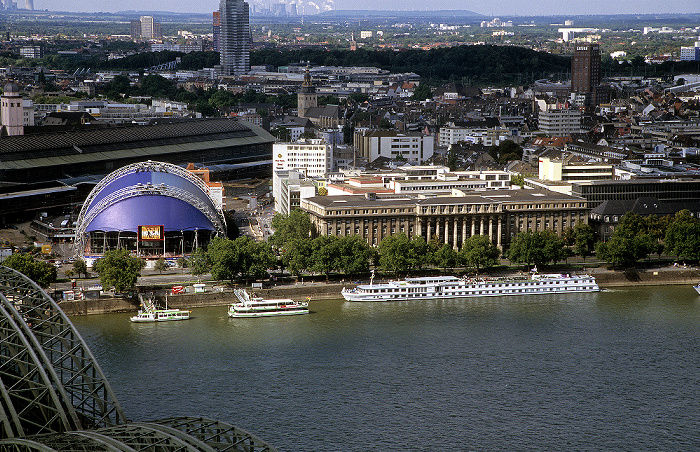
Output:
(486, 7)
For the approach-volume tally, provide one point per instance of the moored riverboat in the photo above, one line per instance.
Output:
(248, 306)
(150, 313)
(447, 287)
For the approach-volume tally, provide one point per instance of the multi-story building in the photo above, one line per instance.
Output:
(216, 30)
(565, 170)
(235, 39)
(135, 29)
(559, 123)
(289, 187)
(691, 53)
(586, 75)
(414, 147)
(147, 27)
(31, 52)
(498, 214)
(313, 157)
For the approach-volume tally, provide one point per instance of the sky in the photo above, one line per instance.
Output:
(485, 7)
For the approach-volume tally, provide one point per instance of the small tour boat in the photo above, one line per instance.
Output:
(697, 288)
(258, 307)
(150, 313)
(161, 315)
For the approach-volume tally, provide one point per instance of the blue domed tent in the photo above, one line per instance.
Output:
(148, 194)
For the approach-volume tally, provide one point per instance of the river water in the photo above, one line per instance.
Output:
(618, 370)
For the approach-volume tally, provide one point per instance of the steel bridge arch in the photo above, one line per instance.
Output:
(49, 379)
(55, 397)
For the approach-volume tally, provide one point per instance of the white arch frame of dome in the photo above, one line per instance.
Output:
(88, 213)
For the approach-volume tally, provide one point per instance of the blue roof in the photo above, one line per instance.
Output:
(130, 213)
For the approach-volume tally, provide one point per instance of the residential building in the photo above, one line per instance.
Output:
(147, 27)
(559, 123)
(414, 147)
(31, 52)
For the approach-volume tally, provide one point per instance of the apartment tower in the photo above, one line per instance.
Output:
(234, 40)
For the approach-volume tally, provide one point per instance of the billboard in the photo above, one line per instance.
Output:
(151, 232)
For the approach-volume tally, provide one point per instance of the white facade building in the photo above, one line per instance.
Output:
(313, 157)
(289, 187)
(559, 123)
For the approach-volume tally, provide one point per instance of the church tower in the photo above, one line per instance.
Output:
(307, 97)
(11, 110)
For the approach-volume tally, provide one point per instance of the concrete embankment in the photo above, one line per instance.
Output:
(319, 291)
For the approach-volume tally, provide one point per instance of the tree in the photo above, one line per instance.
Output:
(119, 270)
(80, 267)
(395, 253)
(255, 258)
(199, 262)
(324, 254)
(479, 253)
(296, 225)
(445, 257)
(422, 92)
(419, 253)
(535, 247)
(683, 236)
(161, 265)
(42, 273)
(296, 255)
(224, 256)
(354, 255)
(584, 240)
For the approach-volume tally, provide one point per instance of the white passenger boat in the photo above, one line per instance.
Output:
(445, 287)
(697, 288)
(161, 315)
(150, 313)
(258, 307)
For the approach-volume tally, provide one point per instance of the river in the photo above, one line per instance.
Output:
(618, 369)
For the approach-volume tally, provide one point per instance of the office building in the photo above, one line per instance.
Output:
(691, 53)
(135, 29)
(586, 75)
(234, 40)
(216, 29)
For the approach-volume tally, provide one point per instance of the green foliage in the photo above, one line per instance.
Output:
(422, 92)
(199, 262)
(635, 237)
(506, 151)
(42, 273)
(324, 256)
(161, 265)
(354, 255)
(296, 225)
(479, 253)
(536, 247)
(517, 179)
(445, 257)
(683, 236)
(80, 267)
(119, 270)
(242, 256)
(584, 240)
(296, 255)
(395, 253)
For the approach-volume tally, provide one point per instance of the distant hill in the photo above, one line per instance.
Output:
(378, 14)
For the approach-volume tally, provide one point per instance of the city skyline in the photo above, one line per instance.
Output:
(486, 8)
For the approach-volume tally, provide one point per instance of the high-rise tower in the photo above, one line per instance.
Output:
(216, 30)
(234, 40)
(147, 27)
(586, 76)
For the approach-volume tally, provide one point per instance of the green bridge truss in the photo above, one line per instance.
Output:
(55, 397)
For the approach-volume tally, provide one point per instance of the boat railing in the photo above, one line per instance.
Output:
(147, 304)
(242, 295)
